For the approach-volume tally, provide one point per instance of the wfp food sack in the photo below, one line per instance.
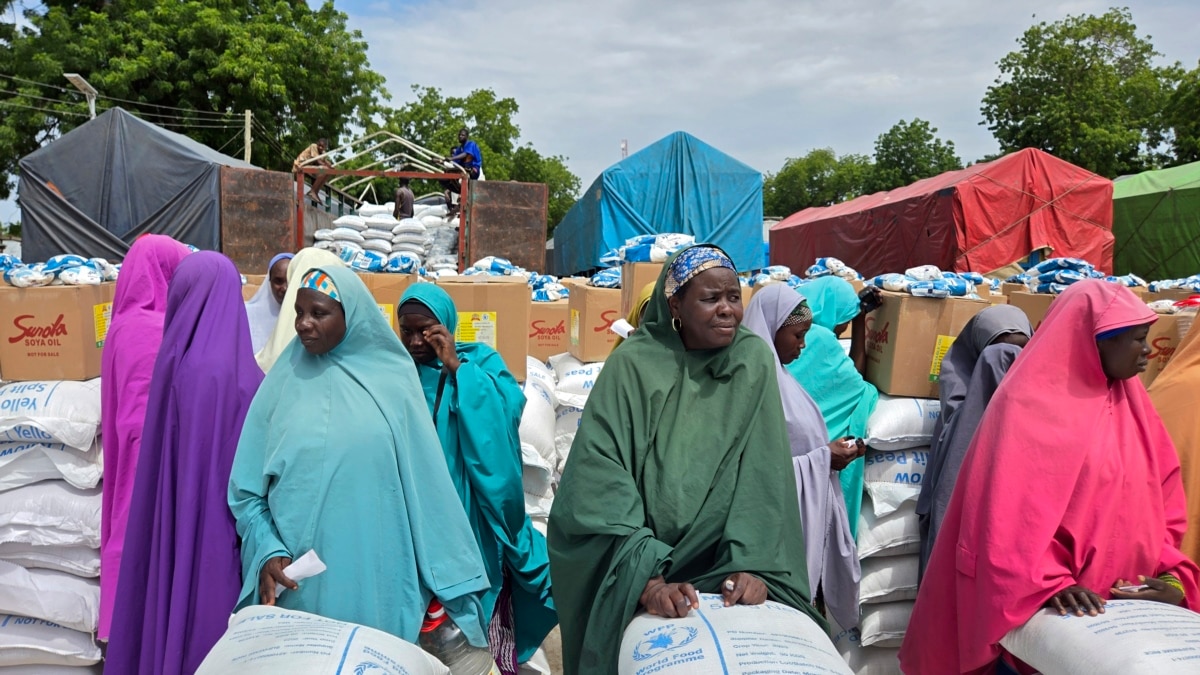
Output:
(888, 579)
(898, 533)
(67, 600)
(715, 640)
(78, 560)
(566, 424)
(894, 477)
(575, 378)
(50, 412)
(41, 647)
(537, 421)
(902, 423)
(50, 513)
(272, 641)
(24, 463)
(884, 625)
(1131, 637)
(537, 479)
(865, 660)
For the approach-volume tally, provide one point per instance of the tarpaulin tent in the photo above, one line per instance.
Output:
(1156, 220)
(102, 185)
(678, 184)
(978, 219)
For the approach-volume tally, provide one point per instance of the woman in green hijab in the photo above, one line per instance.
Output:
(476, 406)
(680, 479)
(835, 379)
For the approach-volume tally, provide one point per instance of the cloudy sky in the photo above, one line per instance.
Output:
(762, 80)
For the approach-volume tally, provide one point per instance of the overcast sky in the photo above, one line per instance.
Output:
(762, 80)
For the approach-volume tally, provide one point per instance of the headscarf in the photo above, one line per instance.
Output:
(690, 262)
(829, 376)
(1176, 395)
(338, 455)
(829, 547)
(1071, 480)
(181, 543)
(477, 422)
(635, 313)
(318, 281)
(127, 365)
(285, 325)
(951, 435)
(262, 309)
(675, 470)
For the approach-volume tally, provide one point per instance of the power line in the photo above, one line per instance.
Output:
(19, 94)
(227, 117)
(42, 110)
(41, 84)
(164, 107)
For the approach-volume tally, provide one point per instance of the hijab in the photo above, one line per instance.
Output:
(1176, 396)
(1034, 511)
(262, 309)
(285, 323)
(127, 366)
(829, 547)
(680, 468)
(181, 542)
(825, 371)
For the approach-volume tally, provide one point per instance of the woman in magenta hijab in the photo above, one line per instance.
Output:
(1069, 491)
(134, 333)
(180, 572)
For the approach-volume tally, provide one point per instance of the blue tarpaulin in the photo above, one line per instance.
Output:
(678, 184)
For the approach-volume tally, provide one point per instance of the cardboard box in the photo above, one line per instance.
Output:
(1035, 305)
(907, 338)
(54, 332)
(548, 328)
(1172, 294)
(994, 299)
(493, 311)
(634, 276)
(387, 289)
(1164, 338)
(592, 311)
(1009, 289)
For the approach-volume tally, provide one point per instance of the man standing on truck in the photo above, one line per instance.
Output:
(312, 152)
(403, 200)
(466, 157)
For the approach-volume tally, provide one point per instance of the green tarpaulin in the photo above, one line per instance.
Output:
(1156, 221)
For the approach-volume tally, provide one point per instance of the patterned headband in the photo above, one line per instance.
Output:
(801, 314)
(321, 283)
(691, 263)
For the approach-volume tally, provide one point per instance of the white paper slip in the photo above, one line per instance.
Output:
(307, 565)
(622, 328)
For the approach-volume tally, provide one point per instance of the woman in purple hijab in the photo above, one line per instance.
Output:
(134, 333)
(180, 574)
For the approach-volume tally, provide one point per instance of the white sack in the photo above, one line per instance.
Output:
(273, 641)
(351, 222)
(81, 561)
(50, 412)
(67, 600)
(717, 640)
(50, 513)
(884, 625)
(902, 423)
(889, 579)
(893, 477)
(898, 533)
(865, 660)
(540, 375)
(566, 423)
(575, 384)
(537, 421)
(29, 646)
(23, 463)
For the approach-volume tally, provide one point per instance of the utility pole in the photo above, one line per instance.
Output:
(248, 140)
(624, 148)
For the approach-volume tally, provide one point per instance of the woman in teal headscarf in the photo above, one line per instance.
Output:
(338, 456)
(835, 379)
(476, 406)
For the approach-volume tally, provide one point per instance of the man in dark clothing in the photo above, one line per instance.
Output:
(466, 157)
(404, 201)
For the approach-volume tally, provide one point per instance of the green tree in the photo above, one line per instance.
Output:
(820, 178)
(433, 121)
(190, 66)
(1182, 117)
(908, 152)
(1084, 89)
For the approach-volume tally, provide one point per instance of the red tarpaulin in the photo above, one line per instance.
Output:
(978, 219)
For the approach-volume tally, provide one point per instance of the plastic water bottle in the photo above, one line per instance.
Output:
(446, 642)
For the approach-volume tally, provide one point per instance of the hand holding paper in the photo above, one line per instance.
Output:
(307, 565)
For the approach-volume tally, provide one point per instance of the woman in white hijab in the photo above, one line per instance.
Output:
(285, 324)
(263, 308)
(781, 317)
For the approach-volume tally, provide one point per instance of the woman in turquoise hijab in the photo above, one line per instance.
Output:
(476, 406)
(338, 456)
(835, 379)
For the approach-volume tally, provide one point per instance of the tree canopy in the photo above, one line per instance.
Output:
(819, 178)
(192, 67)
(909, 152)
(1086, 90)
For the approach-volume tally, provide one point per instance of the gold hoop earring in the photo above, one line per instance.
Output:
(676, 323)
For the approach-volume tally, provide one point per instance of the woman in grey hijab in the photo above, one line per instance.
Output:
(971, 372)
(781, 317)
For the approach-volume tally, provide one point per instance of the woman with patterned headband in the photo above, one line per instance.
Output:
(679, 480)
(338, 456)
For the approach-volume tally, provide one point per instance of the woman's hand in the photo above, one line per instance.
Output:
(845, 451)
(1076, 599)
(443, 345)
(870, 299)
(743, 588)
(1158, 591)
(272, 573)
(669, 601)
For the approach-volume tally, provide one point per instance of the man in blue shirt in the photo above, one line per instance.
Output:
(467, 157)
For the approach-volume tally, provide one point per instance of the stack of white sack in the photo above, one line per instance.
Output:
(345, 239)
(441, 238)
(574, 383)
(50, 469)
(59, 270)
(539, 455)
(889, 537)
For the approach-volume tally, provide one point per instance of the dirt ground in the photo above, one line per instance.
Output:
(553, 648)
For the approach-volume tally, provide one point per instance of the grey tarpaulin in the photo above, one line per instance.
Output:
(104, 184)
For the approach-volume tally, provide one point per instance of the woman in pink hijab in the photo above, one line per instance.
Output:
(1057, 510)
(134, 334)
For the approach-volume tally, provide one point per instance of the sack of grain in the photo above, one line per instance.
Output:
(898, 533)
(82, 561)
(25, 463)
(902, 423)
(865, 660)
(893, 477)
(65, 599)
(888, 579)
(50, 412)
(50, 513)
(32, 646)
(884, 625)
